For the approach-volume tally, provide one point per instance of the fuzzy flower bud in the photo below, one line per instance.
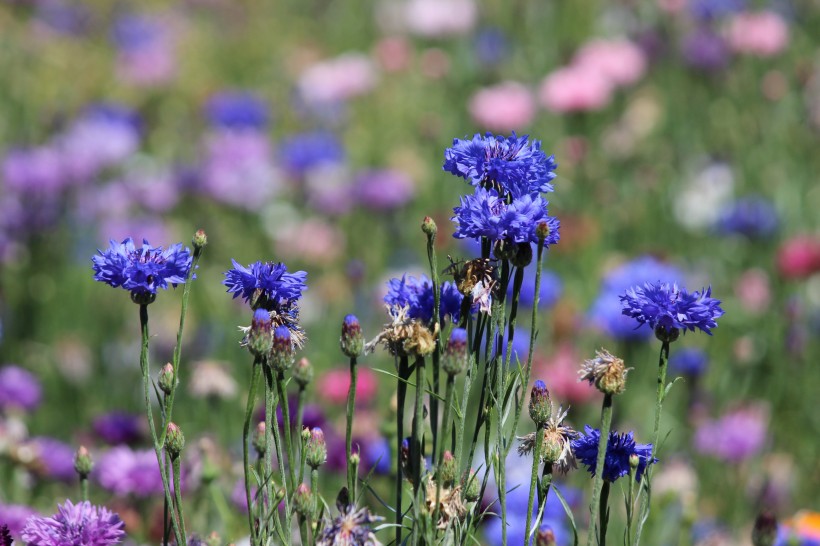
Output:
(540, 403)
(447, 470)
(303, 501)
(305, 435)
(428, 226)
(260, 339)
(471, 486)
(174, 440)
(606, 372)
(259, 440)
(303, 372)
(83, 463)
(315, 448)
(634, 461)
(764, 532)
(455, 358)
(166, 380)
(281, 354)
(545, 537)
(200, 240)
(542, 231)
(352, 340)
(523, 255)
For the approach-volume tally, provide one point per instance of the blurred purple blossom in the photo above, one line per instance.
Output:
(118, 427)
(735, 436)
(384, 189)
(237, 110)
(704, 49)
(754, 217)
(491, 46)
(55, 458)
(146, 50)
(15, 516)
(303, 152)
(19, 388)
(712, 9)
(689, 361)
(124, 471)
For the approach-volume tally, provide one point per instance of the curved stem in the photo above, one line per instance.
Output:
(597, 484)
(246, 431)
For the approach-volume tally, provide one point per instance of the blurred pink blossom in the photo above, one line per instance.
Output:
(505, 107)
(393, 53)
(338, 79)
(560, 373)
(436, 18)
(334, 384)
(752, 289)
(620, 61)
(762, 34)
(799, 257)
(435, 63)
(575, 89)
(312, 240)
(734, 437)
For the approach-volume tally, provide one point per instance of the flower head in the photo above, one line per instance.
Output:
(605, 371)
(266, 284)
(668, 308)
(619, 448)
(237, 110)
(141, 270)
(352, 527)
(19, 388)
(417, 295)
(487, 214)
(557, 442)
(75, 524)
(512, 165)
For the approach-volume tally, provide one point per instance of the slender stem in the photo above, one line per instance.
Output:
(598, 482)
(289, 446)
(431, 257)
(401, 394)
(418, 426)
(630, 504)
(178, 496)
(472, 369)
(300, 413)
(314, 490)
(84, 487)
(445, 435)
(603, 514)
(246, 431)
(536, 460)
(351, 406)
(146, 384)
(517, 282)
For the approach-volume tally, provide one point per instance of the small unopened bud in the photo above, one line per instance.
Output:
(174, 440)
(454, 360)
(428, 226)
(545, 537)
(83, 463)
(523, 255)
(260, 337)
(352, 340)
(315, 448)
(764, 532)
(281, 353)
(447, 470)
(303, 501)
(471, 486)
(666, 335)
(355, 459)
(540, 403)
(542, 231)
(199, 240)
(259, 440)
(634, 461)
(305, 435)
(166, 379)
(143, 298)
(302, 372)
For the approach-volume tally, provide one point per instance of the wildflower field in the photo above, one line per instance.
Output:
(438, 272)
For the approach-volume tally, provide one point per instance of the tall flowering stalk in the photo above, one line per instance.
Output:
(352, 344)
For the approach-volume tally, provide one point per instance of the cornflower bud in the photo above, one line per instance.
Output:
(259, 441)
(540, 403)
(260, 338)
(83, 463)
(455, 357)
(352, 340)
(303, 372)
(200, 239)
(174, 440)
(303, 501)
(542, 231)
(471, 488)
(447, 470)
(634, 461)
(764, 532)
(545, 537)
(305, 435)
(281, 354)
(553, 446)
(166, 379)
(505, 250)
(315, 448)
(523, 255)
(428, 226)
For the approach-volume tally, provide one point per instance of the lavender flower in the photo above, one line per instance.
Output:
(734, 437)
(126, 472)
(75, 525)
(667, 308)
(237, 110)
(19, 388)
(511, 165)
(54, 459)
(15, 516)
(417, 295)
(704, 49)
(352, 527)
(619, 448)
(384, 189)
(141, 270)
(266, 285)
(301, 153)
(118, 427)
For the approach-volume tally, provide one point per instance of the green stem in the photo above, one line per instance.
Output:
(445, 435)
(178, 496)
(146, 384)
(544, 488)
(517, 282)
(472, 368)
(351, 405)
(314, 490)
(630, 504)
(289, 446)
(598, 482)
(300, 412)
(431, 257)
(401, 394)
(84, 488)
(536, 460)
(246, 432)
(603, 513)
(418, 427)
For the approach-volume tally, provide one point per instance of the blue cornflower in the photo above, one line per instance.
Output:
(303, 152)
(237, 110)
(141, 270)
(486, 214)
(619, 448)
(689, 361)
(666, 307)
(417, 296)
(707, 10)
(266, 285)
(753, 217)
(513, 165)
(549, 292)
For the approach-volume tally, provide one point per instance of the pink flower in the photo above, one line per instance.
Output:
(736, 436)
(437, 18)
(799, 257)
(505, 107)
(752, 289)
(620, 61)
(311, 240)
(575, 89)
(393, 53)
(762, 34)
(338, 79)
(334, 384)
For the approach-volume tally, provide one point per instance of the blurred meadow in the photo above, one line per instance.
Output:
(312, 132)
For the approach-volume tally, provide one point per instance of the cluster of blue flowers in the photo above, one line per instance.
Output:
(417, 295)
(619, 448)
(509, 175)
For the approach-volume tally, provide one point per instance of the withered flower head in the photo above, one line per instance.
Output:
(605, 371)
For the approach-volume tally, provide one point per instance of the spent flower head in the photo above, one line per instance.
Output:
(352, 527)
(605, 371)
(556, 445)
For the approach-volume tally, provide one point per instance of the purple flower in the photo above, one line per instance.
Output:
(513, 165)
(34, 171)
(619, 448)
(55, 458)
(124, 471)
(303, 152)
(689, 361)
(491, 46)
(75, 525)
(384, 189)
(145, 50)
(704, 49)
(19, 388)
(119, 427)
(665, 306)
(266, 284)
(734, 437)
(754, 217)
(141, 270)
(486, 214)
(237, 110)
(15, 516)
(713, 9)
(417, 295)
